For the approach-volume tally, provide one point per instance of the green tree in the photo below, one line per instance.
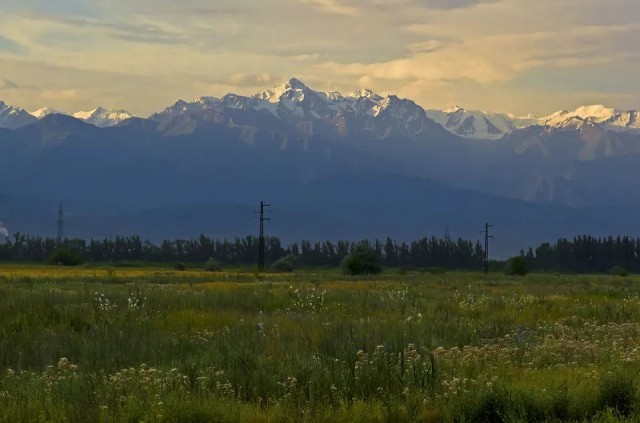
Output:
(285, 264)
(517, 266)
(363, 260)
(64, 257)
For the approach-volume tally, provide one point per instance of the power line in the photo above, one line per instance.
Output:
(261, 240)
(487, 237)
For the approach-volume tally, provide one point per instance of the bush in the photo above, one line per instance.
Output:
(619, 271)
(517, 266)
(212, 265)
(180, 267)
(285, 264)
(617, 393)
(363, 260)
(64, 257)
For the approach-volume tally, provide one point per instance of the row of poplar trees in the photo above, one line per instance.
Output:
(426, 252)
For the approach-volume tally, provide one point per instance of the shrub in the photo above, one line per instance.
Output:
(64, 257)
(619, 271)
(517, 266)
(180, 267)
(617, 393)
(285, 264)
(362, 260)
(212, 265)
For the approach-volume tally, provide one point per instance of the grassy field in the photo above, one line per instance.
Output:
(158, 345)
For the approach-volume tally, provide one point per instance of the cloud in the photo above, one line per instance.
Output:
(135, 32)
(493, 58)
(451, 4)
(251, 80)
(428, 46)
(11, 46)
(143, 54)
(7, 84)
(332, 6)
(69, 94)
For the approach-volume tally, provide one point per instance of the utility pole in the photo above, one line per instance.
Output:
(261, 241)
(487, 237)
(60, 225)
(447, 235)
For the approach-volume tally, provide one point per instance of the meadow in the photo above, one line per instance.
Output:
(156, 345)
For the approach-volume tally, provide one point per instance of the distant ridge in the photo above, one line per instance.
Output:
(295, 100)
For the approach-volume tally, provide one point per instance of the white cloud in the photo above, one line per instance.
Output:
(332, 6)
(64, 95)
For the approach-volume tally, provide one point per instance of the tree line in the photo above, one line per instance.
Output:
(586, 254)
(582, 254)
(422, 253)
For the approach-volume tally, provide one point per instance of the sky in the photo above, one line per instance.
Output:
(511, 56)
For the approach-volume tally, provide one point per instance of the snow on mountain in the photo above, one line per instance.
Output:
(295, 103)
(474, 123)
(365, 93)
(605, 117)
(102, 117)
(295, 100)
(484, 125)
(45, 111)
(14, 117)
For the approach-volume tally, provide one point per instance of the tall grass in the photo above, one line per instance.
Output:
(317, 346)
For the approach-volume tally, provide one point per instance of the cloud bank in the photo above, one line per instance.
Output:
(502, 55)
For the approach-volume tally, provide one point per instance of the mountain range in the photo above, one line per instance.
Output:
(457, 120)
(333, 166)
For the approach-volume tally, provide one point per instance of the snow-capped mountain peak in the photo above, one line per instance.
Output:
(606, 117)
(473, 123)
(366, 93)
(204, 100)
(597, 111)
(454, 109)
(45, 111)
(295, 102)
(292, 89)
(14, 117)
(102, 117)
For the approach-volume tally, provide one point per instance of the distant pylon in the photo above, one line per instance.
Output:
(261, 240)
(60, 225)
(487, 237)
(447, 235)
